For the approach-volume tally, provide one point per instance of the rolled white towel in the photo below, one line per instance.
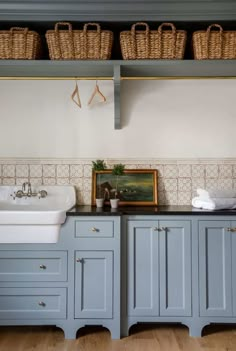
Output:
(216, 193)
(214, 203)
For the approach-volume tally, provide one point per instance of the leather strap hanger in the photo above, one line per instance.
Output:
(75, 95)
(97, 92)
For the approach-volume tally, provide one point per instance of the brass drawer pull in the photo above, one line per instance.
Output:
(41, 303)
(42, 266)
(79, 260)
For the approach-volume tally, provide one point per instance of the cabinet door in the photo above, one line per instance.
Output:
(93, 284)
(175, 268)
(215, 282)
(233, 239)
(143, 270)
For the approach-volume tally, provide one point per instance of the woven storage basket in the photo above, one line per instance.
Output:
(79, 44)
(212, 44)
(19, 43)
(154, 44)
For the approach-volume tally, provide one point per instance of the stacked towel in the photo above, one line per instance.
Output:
(216, 193)
(215, 199)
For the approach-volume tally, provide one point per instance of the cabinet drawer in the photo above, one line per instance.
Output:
(33, 266)
(94, 228)
(32, 303)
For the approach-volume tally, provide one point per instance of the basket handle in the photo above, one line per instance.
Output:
(133, 37)
(85, 30)
(69, 26)
(173, 29)
(92, 24)
(18, 29)
(65, 24)
(208, 32)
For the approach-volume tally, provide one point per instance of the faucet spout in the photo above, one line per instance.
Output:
(29, 192)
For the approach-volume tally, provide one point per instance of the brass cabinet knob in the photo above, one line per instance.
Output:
(93, 229)
(80, 260)
(42, 266)
(41, 303)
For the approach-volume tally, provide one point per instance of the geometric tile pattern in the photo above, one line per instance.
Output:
(177, 183)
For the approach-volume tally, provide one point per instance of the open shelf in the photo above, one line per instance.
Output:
(128, 69)
(117, 70)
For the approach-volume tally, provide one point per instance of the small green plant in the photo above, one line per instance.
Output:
(118, 170)
(99, 165)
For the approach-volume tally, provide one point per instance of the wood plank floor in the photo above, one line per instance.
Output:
(142, 338)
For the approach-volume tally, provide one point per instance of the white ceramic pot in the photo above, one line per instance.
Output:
(99, 203)
(114, 203)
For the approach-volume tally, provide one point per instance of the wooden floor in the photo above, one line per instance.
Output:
(142, 338)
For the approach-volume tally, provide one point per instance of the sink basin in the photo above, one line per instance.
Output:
(33, 219)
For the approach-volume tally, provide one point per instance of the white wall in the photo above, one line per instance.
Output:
(170, 118)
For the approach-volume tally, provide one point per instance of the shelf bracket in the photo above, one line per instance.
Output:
(117, 119)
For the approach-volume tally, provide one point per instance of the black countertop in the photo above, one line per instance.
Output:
(146, 210)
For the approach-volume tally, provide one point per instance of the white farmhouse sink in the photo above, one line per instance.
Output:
(34, 220)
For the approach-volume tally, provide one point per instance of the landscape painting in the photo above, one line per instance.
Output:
(134, 187)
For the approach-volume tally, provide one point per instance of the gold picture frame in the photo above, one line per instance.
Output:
(137, 187)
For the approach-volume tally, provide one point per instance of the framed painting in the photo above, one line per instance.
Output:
(136, 187)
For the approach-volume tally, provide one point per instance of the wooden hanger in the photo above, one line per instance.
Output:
(97, 92)
(75, 95)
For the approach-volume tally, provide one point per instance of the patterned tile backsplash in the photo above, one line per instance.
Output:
(177, 179)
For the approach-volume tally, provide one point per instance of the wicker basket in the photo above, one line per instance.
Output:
(212, 44)
(79, 44)
(19, 43)
(154, 44)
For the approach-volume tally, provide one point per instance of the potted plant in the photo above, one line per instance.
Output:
(99, 165)
(117, 171)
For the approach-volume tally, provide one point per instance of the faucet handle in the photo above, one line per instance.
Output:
(42, 193)
(13, 195)
(20, 193)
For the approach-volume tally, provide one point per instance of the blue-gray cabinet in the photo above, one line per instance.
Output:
(175, 268)
(215, 268)
(70, 284)
(95, 249)
(94, 284)
(143, 268)
(158, 270)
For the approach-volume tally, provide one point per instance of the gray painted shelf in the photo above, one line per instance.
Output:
(128, 69)
(113, 10)
(118, 70)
